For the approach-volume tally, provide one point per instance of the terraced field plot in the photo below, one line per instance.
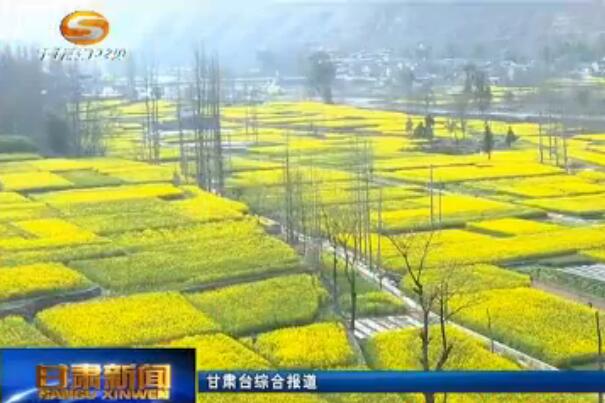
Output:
(513, 226)
(523, 318)
(548, 186)
(589, 205)
(448, 210)
(153, 318)
(321, 345)
(468, 173)
(277, 302)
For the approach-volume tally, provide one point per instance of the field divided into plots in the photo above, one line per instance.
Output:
(490, 217)
(121, 246)
(105, 261)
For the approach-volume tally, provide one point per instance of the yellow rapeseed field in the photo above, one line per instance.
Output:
(549, 327)
(95, 195)
(321, 346)
(221, 352)
(277, 302)
(28, 181)
(385, 352)
(514, 226)
(125, 321)
(35, 279)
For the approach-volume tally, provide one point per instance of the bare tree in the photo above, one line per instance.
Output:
(184, 163)
(251, 112)
(151, 143)
(348, 225)
(206, 106)
(478, 89)
(433, 292)
(461, 102)
(350, 240)
(88, 126)
(379, 228)
(288, 187)
(330, 225)
(75, 109)
(131, 77)
(92, 129)
(357, 222)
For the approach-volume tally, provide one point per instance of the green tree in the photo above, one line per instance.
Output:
(429, 123)
(511, 137)
(488, 141)
(419, 131)
(321, 73)
(59, 134)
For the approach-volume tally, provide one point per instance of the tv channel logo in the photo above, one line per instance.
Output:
(84, 28)
(115, 381)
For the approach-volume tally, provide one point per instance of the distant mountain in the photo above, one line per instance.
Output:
(287, 28)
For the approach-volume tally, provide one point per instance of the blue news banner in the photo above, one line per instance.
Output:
(169, 375)
(403, 381)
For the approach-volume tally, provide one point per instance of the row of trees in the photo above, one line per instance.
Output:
(45, 102)
(197, 119)
(348, 227)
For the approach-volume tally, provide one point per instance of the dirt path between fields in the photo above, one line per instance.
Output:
(579, 297)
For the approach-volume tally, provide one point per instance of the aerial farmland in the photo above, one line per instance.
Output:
(433, 222)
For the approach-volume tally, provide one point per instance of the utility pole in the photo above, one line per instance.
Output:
(440, 204)
(540, 141)
(431, 194)
(600, 347)
(215, 101)
(179, 118)
(379, 242)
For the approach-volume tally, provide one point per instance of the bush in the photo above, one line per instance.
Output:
(16, 144)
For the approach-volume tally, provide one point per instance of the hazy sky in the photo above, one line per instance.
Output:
(132, 21)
